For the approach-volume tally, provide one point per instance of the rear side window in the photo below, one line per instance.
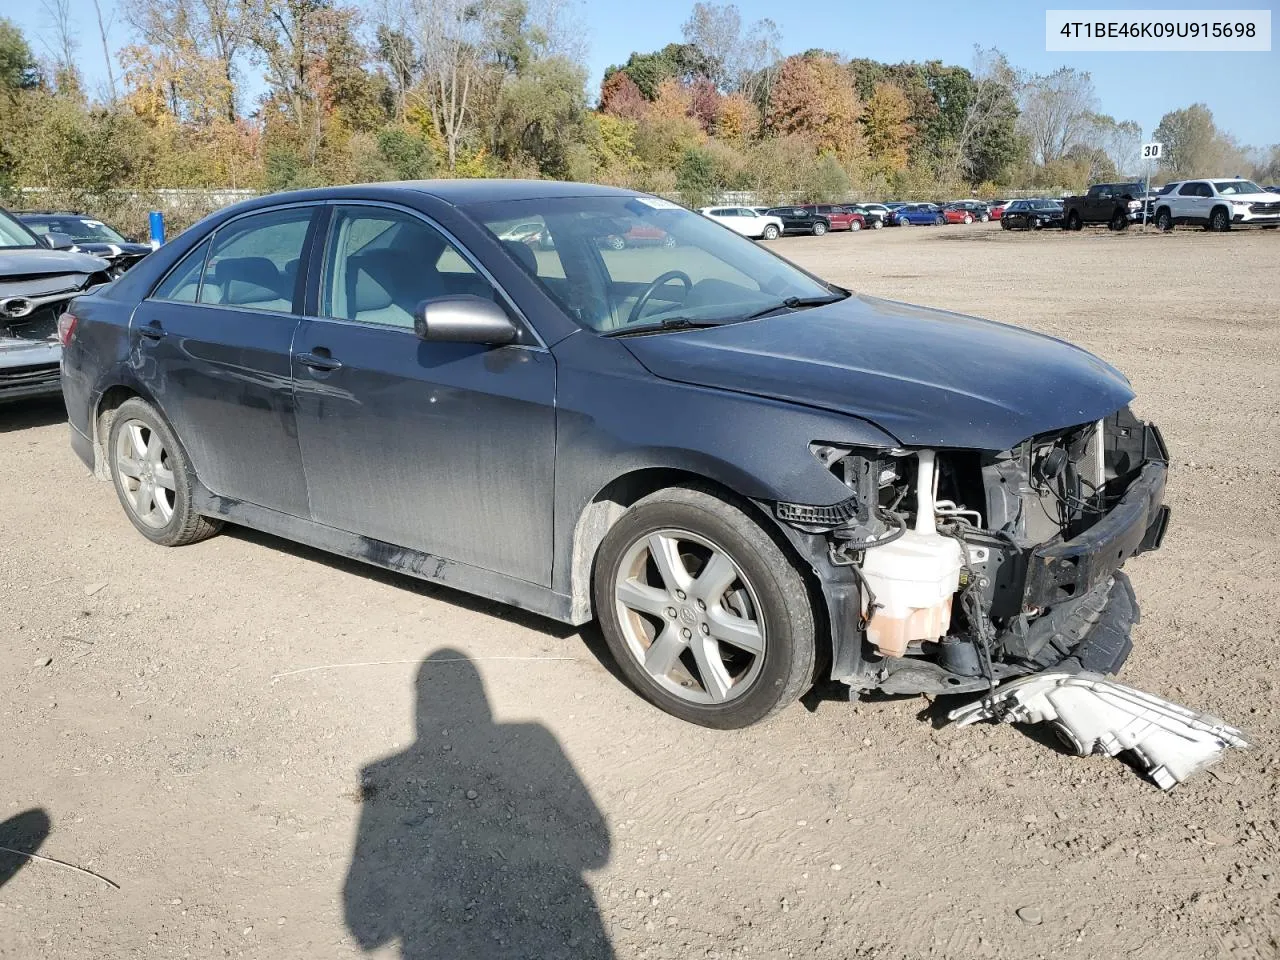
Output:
(183, 282)
(254, 261)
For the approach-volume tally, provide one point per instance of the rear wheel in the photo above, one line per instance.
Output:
(984, 218)
(1219, 220)
(152, 477)
(819, 228)
(703, 612)
(770, 232)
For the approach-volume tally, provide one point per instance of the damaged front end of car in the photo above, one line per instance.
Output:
(32, 298)
(951, 571)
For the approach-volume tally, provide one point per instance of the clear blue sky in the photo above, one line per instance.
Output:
(1240, 88)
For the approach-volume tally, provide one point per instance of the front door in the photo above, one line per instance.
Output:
(213, 345)
(447, 448)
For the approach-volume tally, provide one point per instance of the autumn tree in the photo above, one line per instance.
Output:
(814, 99)
(737, 119)
(888, 127)
(1193, 144)
(620, 97)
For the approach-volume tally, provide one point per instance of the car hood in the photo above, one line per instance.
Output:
(109, 250)
(928, 377)
(37, 261)
(1263, 197)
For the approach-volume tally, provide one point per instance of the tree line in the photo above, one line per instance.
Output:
(274, 94)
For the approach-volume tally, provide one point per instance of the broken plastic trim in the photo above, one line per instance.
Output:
(1095, 715)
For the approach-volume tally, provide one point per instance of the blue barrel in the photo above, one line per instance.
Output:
(157, 228)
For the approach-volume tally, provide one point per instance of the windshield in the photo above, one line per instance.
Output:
(77, 228)
(14, 234)
(624, 263)
(1228, 187)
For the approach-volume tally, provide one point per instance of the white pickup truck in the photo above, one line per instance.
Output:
(1216, 204)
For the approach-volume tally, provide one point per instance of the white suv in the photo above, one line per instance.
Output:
(745, 221)
(1217, 204)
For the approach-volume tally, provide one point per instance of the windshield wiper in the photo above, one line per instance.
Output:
(668, 323)
(796, 303)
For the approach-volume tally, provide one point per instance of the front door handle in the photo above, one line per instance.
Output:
(152, 331)
(319, 359)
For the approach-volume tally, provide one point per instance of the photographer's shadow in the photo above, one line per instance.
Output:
(473, 841)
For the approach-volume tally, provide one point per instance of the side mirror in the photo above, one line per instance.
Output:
(464, 319)
(58, 241)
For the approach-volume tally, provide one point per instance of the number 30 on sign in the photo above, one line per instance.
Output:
(1151, 151)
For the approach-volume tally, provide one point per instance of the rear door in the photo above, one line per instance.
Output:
(448, 448)
(1190, 199)
(212, 345)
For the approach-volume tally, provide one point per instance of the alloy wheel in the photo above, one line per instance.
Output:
(146, 475)
(690, 617)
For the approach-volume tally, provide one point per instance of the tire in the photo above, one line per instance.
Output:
(615, 242)
(1073, 222)
(985, 218)
(877, 223)
(939, 220)
(1118, 221)
(1219, 220)
(818, 229)
(770, 232)
(904, 222)
(1004, 224)
(1164, 220)
(170, 520)
(967, 219)
(762, 591)
(854, 226)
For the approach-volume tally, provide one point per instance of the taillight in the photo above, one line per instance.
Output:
(66, 328)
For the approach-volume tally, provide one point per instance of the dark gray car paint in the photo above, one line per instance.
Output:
(866, 373)
(929, 377)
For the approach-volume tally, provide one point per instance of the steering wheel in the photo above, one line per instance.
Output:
(652, 288)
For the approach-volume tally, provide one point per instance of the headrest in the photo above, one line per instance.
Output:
(249, 280)
(521, 251)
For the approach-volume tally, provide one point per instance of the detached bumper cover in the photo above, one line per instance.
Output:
(1096, 715)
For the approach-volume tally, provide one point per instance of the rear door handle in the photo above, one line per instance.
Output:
(319, 360)
(152, 331)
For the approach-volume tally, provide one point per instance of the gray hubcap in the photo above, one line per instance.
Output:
(146, 475)
(690, 617)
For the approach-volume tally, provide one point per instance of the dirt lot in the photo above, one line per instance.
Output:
(155, 709)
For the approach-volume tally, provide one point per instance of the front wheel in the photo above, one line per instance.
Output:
(152, 477)
(904, 222)
(1219, 220)
(968, 219)
(985, 218)
(1073, 221)
(939, 220)
(770, 232)
(877, 224)
(1164, 221)
(705, 615)
(855, 225)
(819, 228)
(1118, 221)
(669, 241)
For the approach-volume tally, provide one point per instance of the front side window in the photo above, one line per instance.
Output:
(1229, 188)
(621, 263)
(381, 263)
(254, 261)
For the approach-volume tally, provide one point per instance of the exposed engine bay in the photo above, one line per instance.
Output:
(963, 568)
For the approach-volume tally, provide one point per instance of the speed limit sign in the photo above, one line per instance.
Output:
(1151, 151)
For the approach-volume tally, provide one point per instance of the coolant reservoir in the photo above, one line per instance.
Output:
(914, 577)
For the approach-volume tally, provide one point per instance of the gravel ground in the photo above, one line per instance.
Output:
(481, 785)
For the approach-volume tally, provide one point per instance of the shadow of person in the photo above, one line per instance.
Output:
(472, 842)
(21, 834)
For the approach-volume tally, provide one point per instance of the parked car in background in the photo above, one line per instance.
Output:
(919, 214)
(998, 208)
(873, 214)
(1115, 204)
(1032, 215)
(746, 221)
(750, 477)
(838, 216)
(976, 210)
(90, 236)
(37, 283)
(1217, 204)
(638, 235)
(801, 219)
